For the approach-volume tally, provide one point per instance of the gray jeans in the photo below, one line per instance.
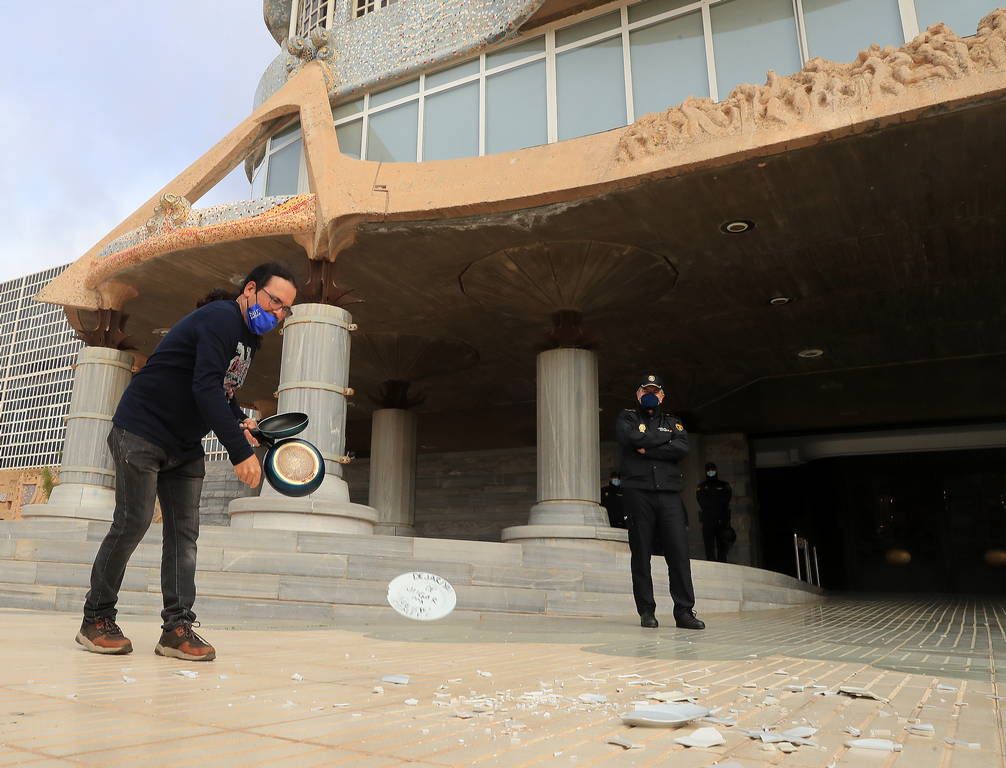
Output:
(144, 471)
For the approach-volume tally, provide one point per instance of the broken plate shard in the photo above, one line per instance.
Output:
(618, 741)
(186, 673)
(963, 743)
(860, 693)
(396, 679)
(880, 745)
(921, 729)
(800, 732)
(665, 714)
(593, 698)
(670, 696)
(703, 738)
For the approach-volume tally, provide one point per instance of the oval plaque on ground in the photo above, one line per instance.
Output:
(421, 596)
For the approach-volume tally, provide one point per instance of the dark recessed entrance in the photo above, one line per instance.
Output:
(914, 522)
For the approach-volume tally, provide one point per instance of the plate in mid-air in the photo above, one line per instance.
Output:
(421, 596)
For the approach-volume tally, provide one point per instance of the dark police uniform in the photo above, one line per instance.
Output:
(651, 485)
(714, 496)
(611, 500)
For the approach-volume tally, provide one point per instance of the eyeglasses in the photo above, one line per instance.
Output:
(276, 304)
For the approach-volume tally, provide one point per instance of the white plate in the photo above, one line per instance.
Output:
(421, 596)
(665, 714)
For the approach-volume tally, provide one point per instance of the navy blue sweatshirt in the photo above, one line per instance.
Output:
(187, 386)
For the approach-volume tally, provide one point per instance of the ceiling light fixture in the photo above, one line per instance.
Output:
(810, 354)
(779, 301)
(736, 227)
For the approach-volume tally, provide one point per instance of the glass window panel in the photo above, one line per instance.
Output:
(347, 110)
(284, 170)
(587, 29)
(750, 37)
(839, 29)
(515, 108)
(451, 127)
(591, 88)
(392, 134)
(454, 73)
(962, 16)
(350, 136)
(651, 8)
(394, 94)
(668, 63)
(290, 132)
(515, 53)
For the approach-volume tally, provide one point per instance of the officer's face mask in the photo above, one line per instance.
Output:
(616, 481)
(711, 473)
(649, 400)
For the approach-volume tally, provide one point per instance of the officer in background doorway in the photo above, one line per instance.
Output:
(611, 500)
(713, 496)
(653, 443)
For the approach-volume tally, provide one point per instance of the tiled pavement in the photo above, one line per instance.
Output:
(516, 682)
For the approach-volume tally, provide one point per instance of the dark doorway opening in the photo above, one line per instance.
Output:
(910, 522)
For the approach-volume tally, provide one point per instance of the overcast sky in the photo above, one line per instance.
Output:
(104, 102)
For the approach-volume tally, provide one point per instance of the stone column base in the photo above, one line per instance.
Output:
(568, 513)
(75, 501)
(584, 536)
(313, 515)
(394, 529)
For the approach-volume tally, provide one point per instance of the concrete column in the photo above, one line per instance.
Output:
(86, 489)
(569, 479)
(393, 471)
(313, 376)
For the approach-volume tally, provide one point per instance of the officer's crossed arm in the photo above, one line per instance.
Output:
(673, 450)
(664, 446)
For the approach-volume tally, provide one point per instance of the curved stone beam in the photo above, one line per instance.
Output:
(822, 102)
(305, 95)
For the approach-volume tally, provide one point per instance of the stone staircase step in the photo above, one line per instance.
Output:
(251, 574)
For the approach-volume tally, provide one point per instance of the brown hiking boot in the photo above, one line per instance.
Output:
(103, 636)
(182, 643)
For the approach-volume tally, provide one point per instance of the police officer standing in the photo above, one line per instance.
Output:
(611, 500)
(713, 496)
(652, 443)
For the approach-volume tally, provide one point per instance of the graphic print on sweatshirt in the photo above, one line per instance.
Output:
(237, 370)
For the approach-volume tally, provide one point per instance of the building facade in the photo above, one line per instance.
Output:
(501, 215)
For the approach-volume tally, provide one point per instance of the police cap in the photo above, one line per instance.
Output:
(651, 380)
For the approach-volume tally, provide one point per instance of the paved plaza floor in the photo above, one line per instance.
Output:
(517, 691)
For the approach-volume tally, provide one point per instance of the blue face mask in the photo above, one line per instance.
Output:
(649, 401)
(260, 321)
(616, 482)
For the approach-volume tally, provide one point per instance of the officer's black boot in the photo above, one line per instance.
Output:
(648, 620)
(688, 620)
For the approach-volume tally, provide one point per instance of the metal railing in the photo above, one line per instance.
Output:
(800, 544)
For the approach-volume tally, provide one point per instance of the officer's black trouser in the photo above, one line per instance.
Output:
(713, 540)
(658, 516)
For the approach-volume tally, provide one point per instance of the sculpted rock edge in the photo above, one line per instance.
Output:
(821, 87)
